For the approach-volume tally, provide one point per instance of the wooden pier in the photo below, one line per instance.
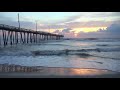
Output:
(14, 35)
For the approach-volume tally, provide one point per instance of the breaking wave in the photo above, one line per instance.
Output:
(67, 52)
(73, 52)
(81, 52)
(98, 39)
(59, 52)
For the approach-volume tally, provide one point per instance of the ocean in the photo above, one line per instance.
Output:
(93, 53)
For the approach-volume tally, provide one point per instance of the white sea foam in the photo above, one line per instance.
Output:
(80, 54)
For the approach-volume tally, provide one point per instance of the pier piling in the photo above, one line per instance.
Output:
(14, 35)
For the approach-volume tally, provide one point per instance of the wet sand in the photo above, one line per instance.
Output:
(50, 72)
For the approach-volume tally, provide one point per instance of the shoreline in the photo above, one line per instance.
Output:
(17, 71)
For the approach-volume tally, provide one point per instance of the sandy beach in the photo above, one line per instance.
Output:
(49, 72)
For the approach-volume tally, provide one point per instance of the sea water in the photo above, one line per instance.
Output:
(75, 53)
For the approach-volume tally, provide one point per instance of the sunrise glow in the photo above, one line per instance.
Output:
(70, 24)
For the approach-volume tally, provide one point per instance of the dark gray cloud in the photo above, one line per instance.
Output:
(113, 31)
(67, 30)
(114, 28)
(56, 31)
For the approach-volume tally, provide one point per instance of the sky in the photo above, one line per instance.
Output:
(70, 24)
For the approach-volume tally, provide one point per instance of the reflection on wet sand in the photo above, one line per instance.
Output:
(48, 71)
(88, 72)
(74, 72)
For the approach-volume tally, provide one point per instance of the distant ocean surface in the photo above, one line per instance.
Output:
(75, 53)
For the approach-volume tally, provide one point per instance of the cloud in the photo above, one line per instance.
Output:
(56, 31)
(113, 31)
(76, 20)
(77, 24)
(89, 24)
(114, 28)
(86, 17)
(67, 30)
(64, 31)
(104, 14)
